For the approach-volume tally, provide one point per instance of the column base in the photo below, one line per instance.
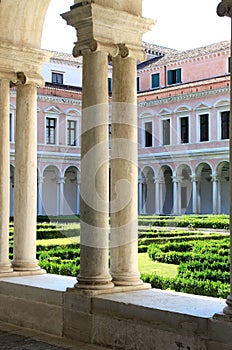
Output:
(228, 309)
(5, 267)
(93, 283)
(23, 265)
(126, 279)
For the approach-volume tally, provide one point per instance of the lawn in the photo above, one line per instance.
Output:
(146, 265)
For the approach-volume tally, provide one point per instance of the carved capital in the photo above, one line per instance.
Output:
(27, 79)
(94, 46)
(131, 51)
(225, 8)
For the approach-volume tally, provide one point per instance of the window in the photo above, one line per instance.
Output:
(225, 120)
(147, 134)
(110, 86)
(204, 127)
(51, 131)
(183, 197)
(174, 76)
(166, 132)
(184, 129)
(229, 64)
(138, 83)
(57, 78)
(155, 80)
(71, 132)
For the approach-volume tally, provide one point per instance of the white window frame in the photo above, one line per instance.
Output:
(58, 72)
(219, 121)
(143, 132)
(77, 136)
(198, 134)
(179, 128)
(52, 116)
(162, 118)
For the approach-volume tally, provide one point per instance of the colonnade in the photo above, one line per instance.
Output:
(97, 44)
(193, 190)
(25, 175)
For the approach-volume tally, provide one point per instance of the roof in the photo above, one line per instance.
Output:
(177, 56)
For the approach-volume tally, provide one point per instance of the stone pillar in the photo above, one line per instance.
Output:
(94, 269)
(214, 179)
(140, 195)
(61, 182)
(225, 9)
(25, 179)
(5, 265)
(195, 194)
(40, 195)
(176, 195)
(124, 172)
(157, 195)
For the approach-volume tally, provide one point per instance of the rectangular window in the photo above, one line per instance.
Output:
(71, 132)
(174, 76)
(110, 86)
(184, 129)
(225, 122)
(229, 64)
(204, 127)
(166, 132)
(155, 80)
(50, 131)
(57, 78)
(148, 134)
(183, 197)
(138, 83)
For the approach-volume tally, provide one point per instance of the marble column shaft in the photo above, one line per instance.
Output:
(124, 174)
(94, 187)
(25, 179)
(5, 265)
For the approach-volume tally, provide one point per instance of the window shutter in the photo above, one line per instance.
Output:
(178, 75)
(155, 80)
(170, 77)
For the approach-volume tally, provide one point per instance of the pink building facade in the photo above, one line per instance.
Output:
(183, 131)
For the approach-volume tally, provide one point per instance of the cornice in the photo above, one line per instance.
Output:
(61, 100)
(184, 97)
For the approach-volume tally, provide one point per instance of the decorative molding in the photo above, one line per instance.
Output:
(184, 97)
(61, 100)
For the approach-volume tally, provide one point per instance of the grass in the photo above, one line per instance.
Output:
(58, 241)
(146, 265)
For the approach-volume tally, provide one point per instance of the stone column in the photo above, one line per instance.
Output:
(40, 195)
(225, 9)
(5, 265)
(25, 179)
(214, 179)
(195, 195)
(94, 266)
(61, 182)
(124, 172)
(176, 195)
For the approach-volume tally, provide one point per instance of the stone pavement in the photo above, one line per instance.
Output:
(16, 338)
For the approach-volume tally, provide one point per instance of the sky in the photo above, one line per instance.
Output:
(181, 24)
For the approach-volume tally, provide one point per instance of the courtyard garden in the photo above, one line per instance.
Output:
(190, 254)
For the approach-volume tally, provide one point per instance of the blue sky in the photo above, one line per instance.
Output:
(181, 24)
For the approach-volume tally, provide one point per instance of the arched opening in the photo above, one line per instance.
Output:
(71, 191)
(167, 190)
(50, 194)
(223, 188)
(148, 191)
(204, 173)
(184, 172)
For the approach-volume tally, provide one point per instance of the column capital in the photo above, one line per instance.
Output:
(215, 177)
(61, 180)
(93, 23)
(224, 8)
(159, 179)
(132, 51)
(40, 179)
(177, 178)
(194, 178)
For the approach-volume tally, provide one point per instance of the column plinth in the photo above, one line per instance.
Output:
(5, 265)
(94, 184)
(25, 185)
(124, 174)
